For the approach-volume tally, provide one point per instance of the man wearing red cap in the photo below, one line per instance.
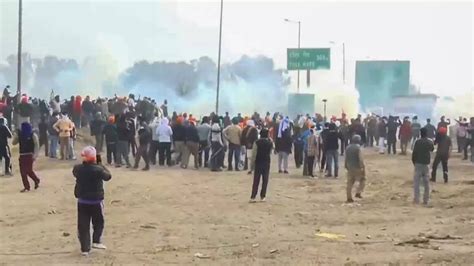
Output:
(89, 191)
(443, 152)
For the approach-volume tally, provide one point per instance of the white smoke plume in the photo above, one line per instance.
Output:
(461, 105)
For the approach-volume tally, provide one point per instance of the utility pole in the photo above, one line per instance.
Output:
(18, 89)
(325, 118)
(299, 46)
(344, 63)
(219, 60)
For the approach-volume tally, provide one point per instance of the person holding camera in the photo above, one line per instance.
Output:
(89, 191)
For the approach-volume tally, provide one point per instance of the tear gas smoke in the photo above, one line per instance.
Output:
(461, 105)
(247, 85)
(340, 97)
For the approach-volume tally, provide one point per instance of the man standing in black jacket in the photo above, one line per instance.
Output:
(96, 126)
(382, 133)
(111, 139)
(248, 138)
(179, 137)
(421, 157)
(192, 146)
(89, 191)
(123, 135)
(261, 163)
(392, 127)
(43, 134)
(144, 139)
(443, 153)
(5, 154)
(430, 130)
(331, 148)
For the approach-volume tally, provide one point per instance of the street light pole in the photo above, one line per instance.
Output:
(219, 60)
(324, 101)
(344, 63)
(18, 82)
(299, 46)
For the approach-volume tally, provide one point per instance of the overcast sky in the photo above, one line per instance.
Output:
(436, 37)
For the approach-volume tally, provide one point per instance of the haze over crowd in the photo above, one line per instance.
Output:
(104, 53)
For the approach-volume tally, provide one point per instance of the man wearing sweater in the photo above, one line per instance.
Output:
(64, 127)
(404, 135)
(421, 157)
(204, 132)
(233, 134)
(144, 139)
(355, 167)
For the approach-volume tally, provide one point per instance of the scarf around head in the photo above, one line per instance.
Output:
(26, 130)
(284, 124)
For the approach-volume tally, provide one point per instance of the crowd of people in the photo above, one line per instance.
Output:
(124, 126)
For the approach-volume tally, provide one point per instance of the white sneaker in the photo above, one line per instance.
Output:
(98, 246)
(85, 254)
(252, 201)
(263, 200)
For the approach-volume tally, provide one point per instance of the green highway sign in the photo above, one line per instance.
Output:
(308, 58)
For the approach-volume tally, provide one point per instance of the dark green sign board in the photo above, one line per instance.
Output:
(308, 58)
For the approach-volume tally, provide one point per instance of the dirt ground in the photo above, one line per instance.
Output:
(167, 216)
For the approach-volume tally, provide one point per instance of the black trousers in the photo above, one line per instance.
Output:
(262, 171)
(310, 165)
(370, 138)
(154, 145)
(86, 213)
(142, 152)
(111, 153)
(444, 164)
(217, 156)
(234, 153)
(44, 141)
(322, 165)
(299, 147)
(164, 152)
(6, 155)
(466, 145)
(392, 145)
(344, 143)
(133, 145)
(204, 149)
